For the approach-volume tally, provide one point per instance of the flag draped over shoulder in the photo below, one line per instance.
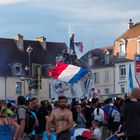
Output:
(79, 45)
(67, 72)
(85, 133)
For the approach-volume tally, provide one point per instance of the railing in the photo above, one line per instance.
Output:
(122, 77)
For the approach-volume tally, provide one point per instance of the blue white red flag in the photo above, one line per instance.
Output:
(67, 72)
(79, 45)
(85, 133)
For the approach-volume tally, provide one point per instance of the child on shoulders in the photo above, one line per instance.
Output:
(96, 130)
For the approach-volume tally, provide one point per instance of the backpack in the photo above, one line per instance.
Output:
(110, 120)
(41, 113)
(29, 121)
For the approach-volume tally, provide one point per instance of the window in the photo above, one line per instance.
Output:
(106, 90)
(122, 51)
(96, 78)
(122, 86)
(90, 61)
(106, 76)
(122, 72)
(138, 45)
(18, 88)
(16, 68)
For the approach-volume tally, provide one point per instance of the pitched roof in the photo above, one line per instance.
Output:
(131, 33)
(99, 56)
(9, 53)
(109, 48)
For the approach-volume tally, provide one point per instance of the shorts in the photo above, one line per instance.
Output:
(65, 135)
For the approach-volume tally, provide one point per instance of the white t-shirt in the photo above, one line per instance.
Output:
(116, 115)
(97, 133)
(99, 117)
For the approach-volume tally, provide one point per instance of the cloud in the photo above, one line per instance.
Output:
(98, 20)
(11, 1)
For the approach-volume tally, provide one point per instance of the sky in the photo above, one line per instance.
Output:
(96, 23)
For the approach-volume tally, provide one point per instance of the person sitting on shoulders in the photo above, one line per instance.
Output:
(96, 130)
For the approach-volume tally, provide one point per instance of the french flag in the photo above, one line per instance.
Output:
(83, 132)
(79, 45)
(67, 72)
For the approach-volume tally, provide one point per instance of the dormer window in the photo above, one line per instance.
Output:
(16, 69)
(106, 56)
(122, 48)
(138, 45)
(90, 60)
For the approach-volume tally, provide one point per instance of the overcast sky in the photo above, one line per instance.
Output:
(97, 23)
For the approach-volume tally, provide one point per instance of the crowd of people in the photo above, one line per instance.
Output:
(67, 58)
(78, 120)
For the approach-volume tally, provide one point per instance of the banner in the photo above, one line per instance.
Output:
(137, 68)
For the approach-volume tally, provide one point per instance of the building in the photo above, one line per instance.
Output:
(100, 61)
(126, 47)
(113, 66)
(14, 58)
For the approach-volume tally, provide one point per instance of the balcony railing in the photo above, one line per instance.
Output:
(122, 77)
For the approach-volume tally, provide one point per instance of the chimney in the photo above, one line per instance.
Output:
(19, 42)
(130, 24)
(90, 60)
(42, 41)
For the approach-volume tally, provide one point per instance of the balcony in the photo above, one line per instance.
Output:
(122, 77)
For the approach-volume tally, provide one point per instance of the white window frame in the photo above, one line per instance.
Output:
(96, 77)
(107, 91)
(122, 88)
(106, 76)
(138, 45)
(16, 69)
(122, 72)
(18, 88)
(122, 48)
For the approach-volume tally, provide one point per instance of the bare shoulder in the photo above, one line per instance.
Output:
(68, 111)
(55, 112)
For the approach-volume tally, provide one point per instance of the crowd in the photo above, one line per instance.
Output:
(112, 119)
(67, 58)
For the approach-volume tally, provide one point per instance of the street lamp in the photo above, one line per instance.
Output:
(29, 50)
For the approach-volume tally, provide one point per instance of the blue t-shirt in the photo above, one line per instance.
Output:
(5, 133)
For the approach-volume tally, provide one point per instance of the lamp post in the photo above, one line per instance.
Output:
(29, 50)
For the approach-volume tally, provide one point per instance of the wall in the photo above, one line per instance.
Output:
(102, 83)
(118, 82)
(131, 48)
(8, 87)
